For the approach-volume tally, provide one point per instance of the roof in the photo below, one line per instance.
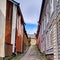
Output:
(43, 2)
(38, 30)
(31, 35)
(18, 10)
(14, 2)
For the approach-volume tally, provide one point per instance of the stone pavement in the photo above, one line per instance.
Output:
(32, 54)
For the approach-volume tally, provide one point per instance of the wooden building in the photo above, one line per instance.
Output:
(19, 32)
(32, 39)
(26, 41)
(11, 24)
(38, 38)
(49, 22)
(12, 28)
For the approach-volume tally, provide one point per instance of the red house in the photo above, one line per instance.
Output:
(38, 37)
(20, 30)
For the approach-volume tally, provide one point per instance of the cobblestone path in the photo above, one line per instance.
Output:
(32, 54)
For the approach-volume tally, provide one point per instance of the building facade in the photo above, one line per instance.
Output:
(49, 29)
(19, 32)
(32, 39)
(26, 41)
(12, 28)
(38, 37)
(2, 26)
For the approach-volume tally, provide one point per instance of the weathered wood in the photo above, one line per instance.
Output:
(8, 28)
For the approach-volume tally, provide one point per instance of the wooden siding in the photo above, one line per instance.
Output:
(54, 27)
(38, 41)
(46, 10)
(8, 22)
(25, 39)
(58, 36)
(18, 36)
(18, 44)
(8, 49)
(13, 35)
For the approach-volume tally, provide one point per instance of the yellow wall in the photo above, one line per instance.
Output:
(33, 41)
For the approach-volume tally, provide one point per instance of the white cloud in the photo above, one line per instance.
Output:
(30, 10)
(31, 20)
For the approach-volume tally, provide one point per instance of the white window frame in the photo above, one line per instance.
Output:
(47, 18)
(51, 4)
(47, 40)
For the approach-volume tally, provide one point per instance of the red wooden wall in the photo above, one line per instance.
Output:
(8, 22)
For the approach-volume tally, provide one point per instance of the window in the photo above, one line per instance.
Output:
(51, 4)
(50, 38)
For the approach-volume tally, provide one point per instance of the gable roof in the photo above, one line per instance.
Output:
(14, 2)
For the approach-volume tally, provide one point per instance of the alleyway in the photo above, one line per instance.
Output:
(32, 54)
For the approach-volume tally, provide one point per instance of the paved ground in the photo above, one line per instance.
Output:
(32, 54)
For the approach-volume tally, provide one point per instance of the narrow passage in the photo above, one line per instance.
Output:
(32, 54)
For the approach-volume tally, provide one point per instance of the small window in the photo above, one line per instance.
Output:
(51, 4)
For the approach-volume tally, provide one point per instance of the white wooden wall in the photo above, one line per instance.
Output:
(14, 18)
(55, 46)
(2, 26)
(58, 35)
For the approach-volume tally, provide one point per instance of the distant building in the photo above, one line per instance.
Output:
(50, 29)
(31, 35)
(32, 39)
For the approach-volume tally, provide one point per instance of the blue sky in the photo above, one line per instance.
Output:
(31, 12)
(31, 28)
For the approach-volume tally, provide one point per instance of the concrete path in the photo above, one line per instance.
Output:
(32, 54)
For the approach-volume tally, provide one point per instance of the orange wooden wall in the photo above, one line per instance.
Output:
(18, 43)
(19, 36)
